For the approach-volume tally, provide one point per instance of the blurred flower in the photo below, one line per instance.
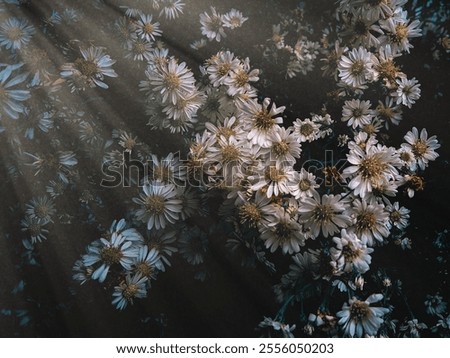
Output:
(15, 33)
(10, 99)
(285, 329)
(146, 29)
(434, 305)
(233, 19)
(35, 227)
(412, 328)
(212, 26)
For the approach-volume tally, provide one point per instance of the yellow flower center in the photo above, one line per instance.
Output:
(111, 255)
(155, 205)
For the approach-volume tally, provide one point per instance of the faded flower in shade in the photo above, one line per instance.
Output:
(15, 33)
(283, 232)
(132, 287)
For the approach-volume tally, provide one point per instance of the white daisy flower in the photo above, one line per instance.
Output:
(147, 262)
(323, 214)
(138, 49)
(361, 31)
(358, 318)
(238, 81)
(160, 205)
(15, 33)
(303, 185)
(306, 130)
(168, 169)
(283, 232)
(146, 29)
(117, 250)
(407, 158)
(186, 108)
(172, 8)
(41, 207)
(357, 113)
(355, 68)
(408, 91)
(350, 254)
(233, 19)
(388, 112)
(35, 227)
(284, 146)
(422, 147)
(172, 80)
(371, 167)
(398, 216)
(259, 120)
(90, 69)
(399, 31)
(370, 221)
(212, 26)
(374, 9)
(220, 66)
(275, 180)
(257, 212)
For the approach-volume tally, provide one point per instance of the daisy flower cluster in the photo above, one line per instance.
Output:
(196, 154)
(213, 25)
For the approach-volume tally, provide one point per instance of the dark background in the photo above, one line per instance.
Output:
(234, 299)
